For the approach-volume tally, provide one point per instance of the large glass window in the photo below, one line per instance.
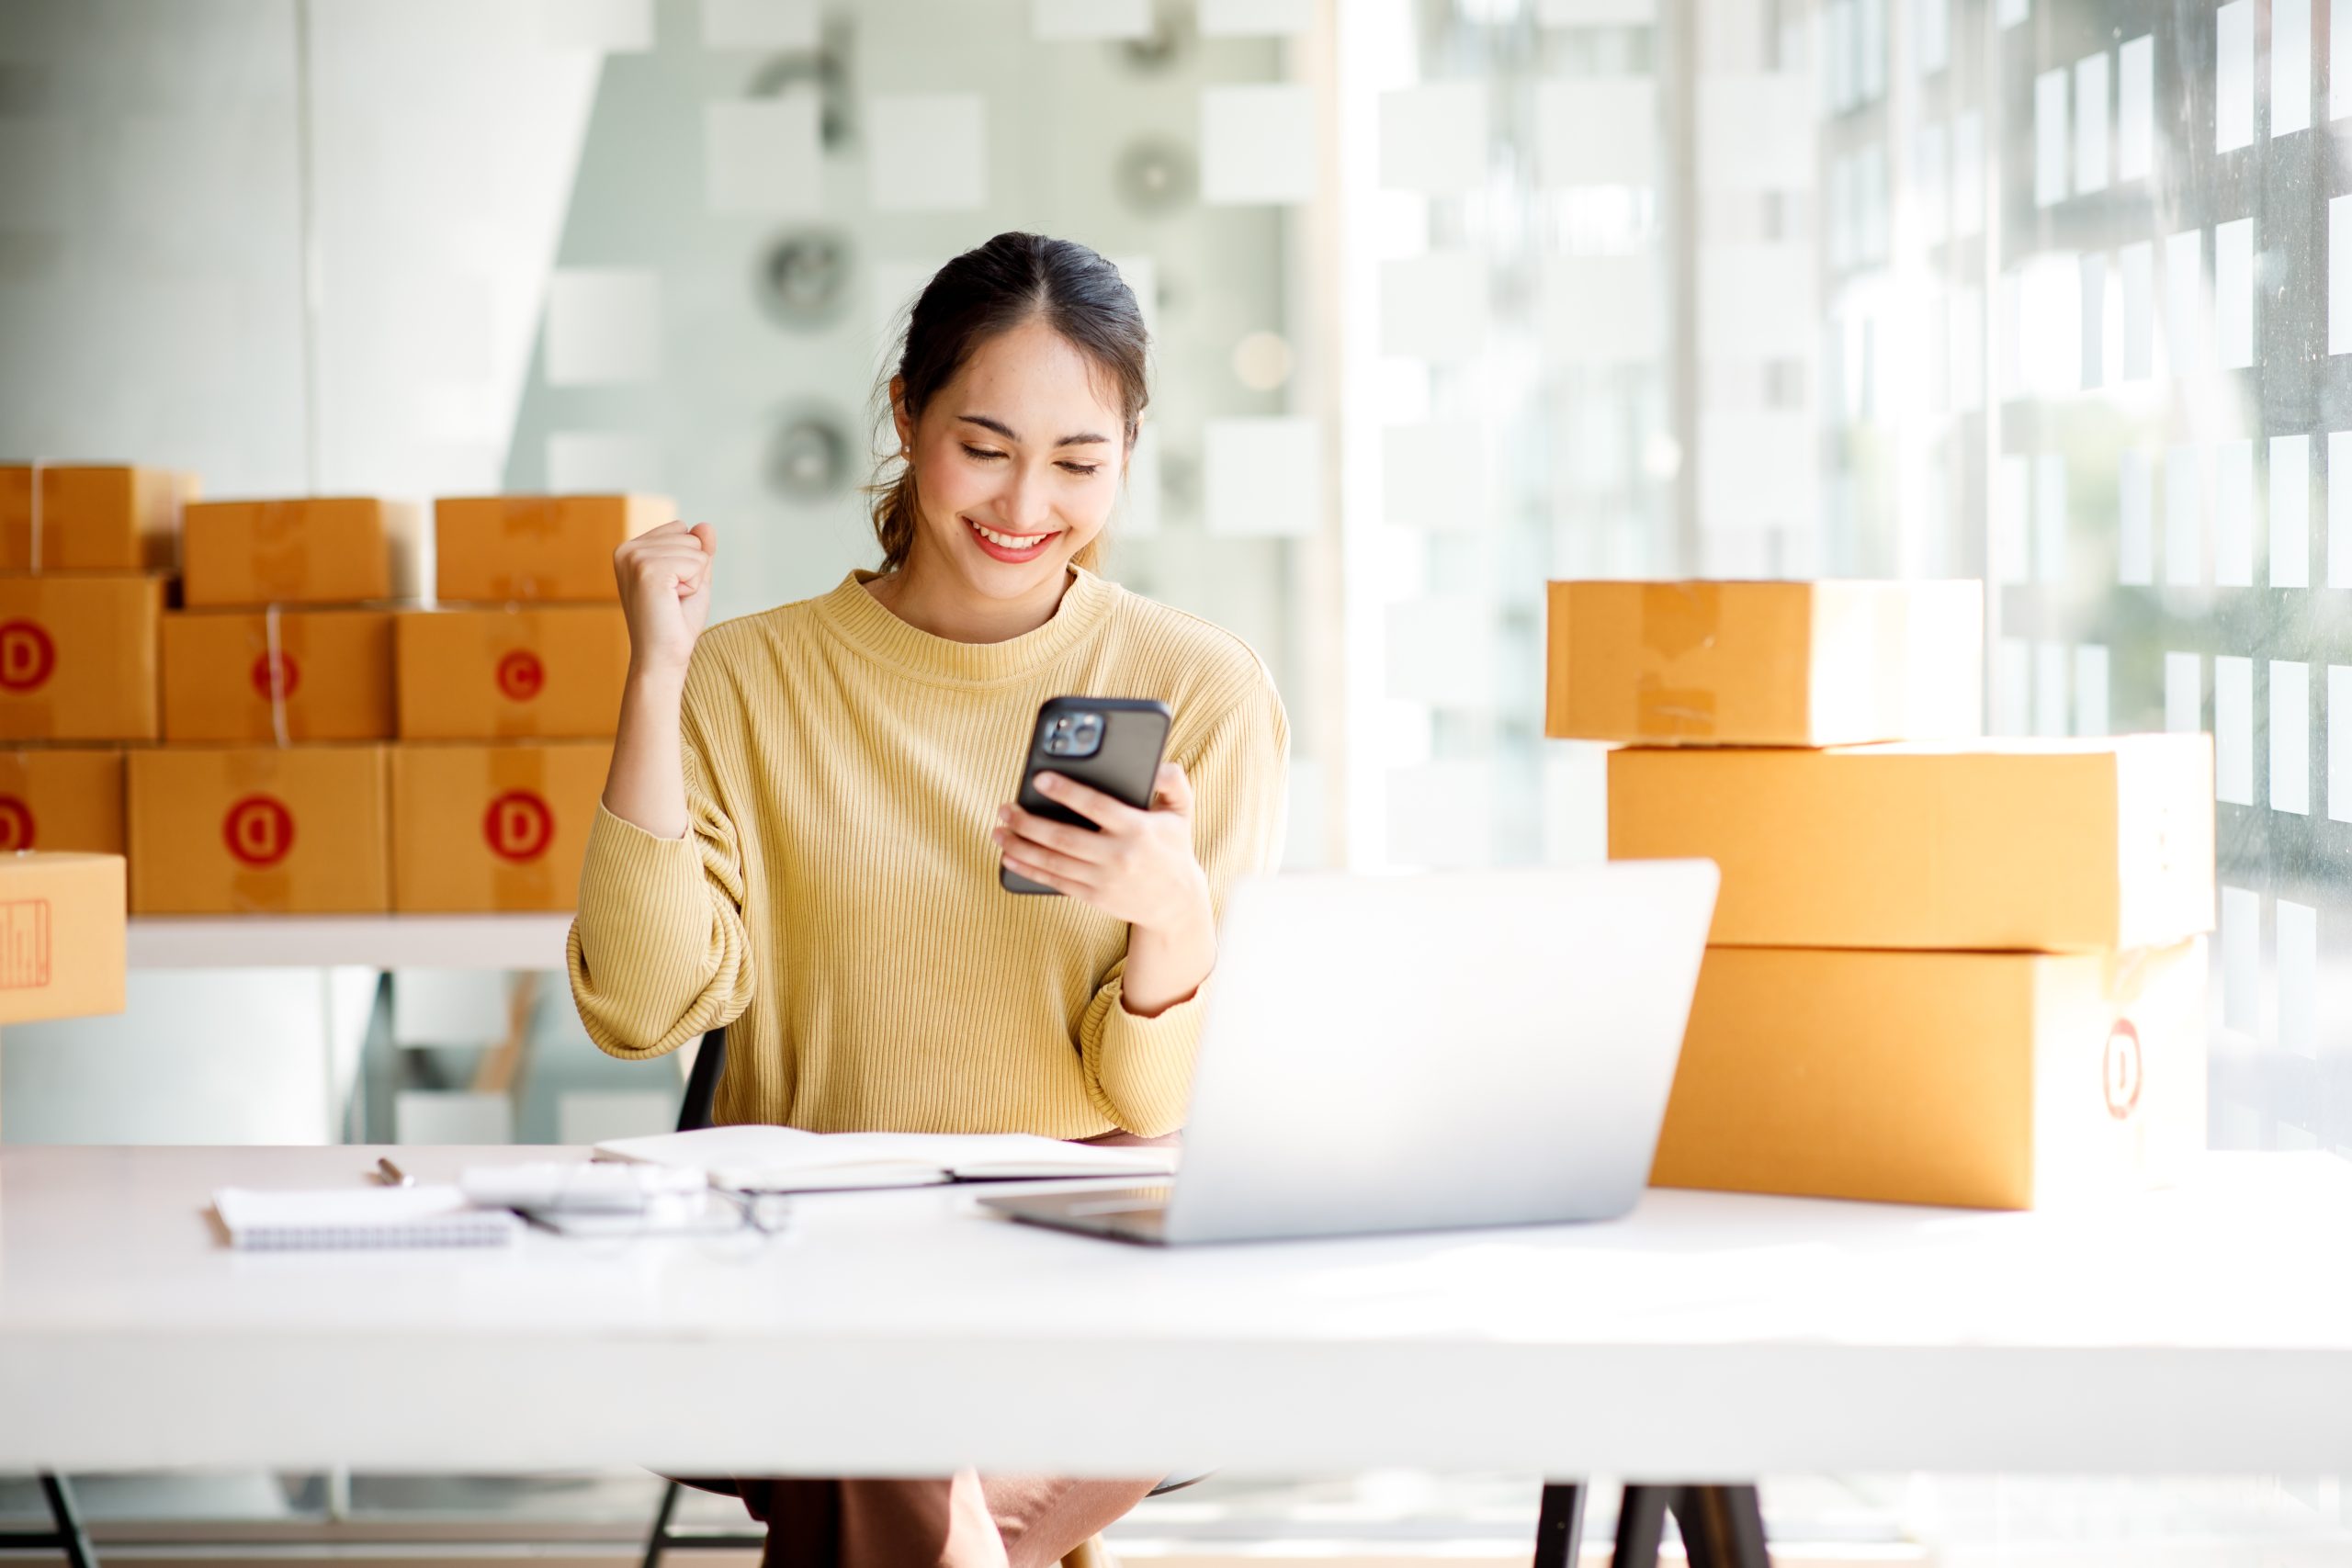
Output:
(2084, 351)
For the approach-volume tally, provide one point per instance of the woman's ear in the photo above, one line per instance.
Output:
(898, 419)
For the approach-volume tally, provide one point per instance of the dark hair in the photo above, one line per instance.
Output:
(1013, 279)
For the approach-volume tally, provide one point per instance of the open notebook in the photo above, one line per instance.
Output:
(755, 1159)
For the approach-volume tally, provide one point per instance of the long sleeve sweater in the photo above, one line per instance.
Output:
(834, 900)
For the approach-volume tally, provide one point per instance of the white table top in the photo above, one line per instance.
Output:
(368, 941)
(2202, 1330)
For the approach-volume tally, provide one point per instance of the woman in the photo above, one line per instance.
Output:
(800, 832)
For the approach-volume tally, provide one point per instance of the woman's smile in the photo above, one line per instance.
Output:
(1007, 546)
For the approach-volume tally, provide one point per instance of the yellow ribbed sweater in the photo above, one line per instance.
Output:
(835, 904)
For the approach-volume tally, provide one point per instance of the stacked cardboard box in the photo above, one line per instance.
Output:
(62, 798)
(63, 947)
(508, 699)
(85, 553)
(271, 793)
(111, 517)
(62, 936)
(1941, 970)
(277, 689)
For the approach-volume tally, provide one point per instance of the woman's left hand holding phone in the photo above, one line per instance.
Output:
(1139, 867)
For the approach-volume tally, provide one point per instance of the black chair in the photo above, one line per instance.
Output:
(694, 1111)
(65, 1533)
(702, 1084)
(1722, 1526)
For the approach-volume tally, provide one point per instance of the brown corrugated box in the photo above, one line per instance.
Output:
(2048, 846)
(1983, 1080)
(552, 670)
(91, 517)
(283, 675)
(1764, 663)
(63, 797)
(77, 656)
(217, 831)
(316, 550)
(498, 827)
(62, 939)
(493, 549)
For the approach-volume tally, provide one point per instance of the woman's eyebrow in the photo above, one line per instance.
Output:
(1081, 439)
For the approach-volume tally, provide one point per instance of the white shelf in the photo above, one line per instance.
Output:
(373, 941)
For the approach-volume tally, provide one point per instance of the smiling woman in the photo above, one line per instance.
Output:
(800, 833)
(1026, 459)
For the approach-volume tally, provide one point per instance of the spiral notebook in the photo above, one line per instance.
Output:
(360, 1217)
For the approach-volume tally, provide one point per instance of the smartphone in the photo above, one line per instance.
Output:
(1112, 744)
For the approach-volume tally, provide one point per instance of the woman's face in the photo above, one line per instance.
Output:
(1017, 464)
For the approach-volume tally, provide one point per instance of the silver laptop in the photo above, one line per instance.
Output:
(1424, 1052)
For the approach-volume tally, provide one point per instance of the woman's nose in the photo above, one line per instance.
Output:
(1025, 504)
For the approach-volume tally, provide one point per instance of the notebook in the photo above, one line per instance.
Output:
(360, 1217)
(756, 1158)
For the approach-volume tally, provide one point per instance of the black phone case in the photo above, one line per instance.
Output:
(1135, 737)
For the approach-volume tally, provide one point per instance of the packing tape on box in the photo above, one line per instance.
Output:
(510, 640)
(1677, 619)
(18, 828)
(1892, 664)
(520, 829)
(531, 515)
(281, 558)
(34, 517)
(183, 481)
(2126, 975)
(527, 516)
(27, 657)
(274, 660)
(257, 807)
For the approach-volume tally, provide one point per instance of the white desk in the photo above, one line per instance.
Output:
(2199, 1331)
(368, 941)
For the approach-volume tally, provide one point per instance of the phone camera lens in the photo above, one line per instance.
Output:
(1073, 735)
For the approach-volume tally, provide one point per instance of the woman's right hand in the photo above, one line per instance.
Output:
(664, 576)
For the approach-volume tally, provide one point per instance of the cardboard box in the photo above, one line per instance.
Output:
(322, 551)
(501, 827)
(62, 936)
(91, 517)
(77, 656)
(220, 830)
(1765, 663)
(1986, 1080)
(550, 672)
(493, 550)
(61, 798)
(2048, 846)
(285, 675)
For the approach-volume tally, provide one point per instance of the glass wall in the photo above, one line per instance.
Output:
(1509, 193)
(2032, 291)
(2083, 347)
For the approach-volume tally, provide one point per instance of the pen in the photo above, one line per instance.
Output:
(392, 1175)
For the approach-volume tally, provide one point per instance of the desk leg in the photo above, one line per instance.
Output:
(1641, 1524)
(71, 1538)
(657, 1543)
(1559, 1532)
(1722, 1526)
